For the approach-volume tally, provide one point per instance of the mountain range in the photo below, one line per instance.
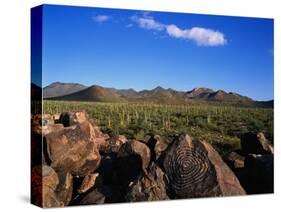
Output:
(78, 92)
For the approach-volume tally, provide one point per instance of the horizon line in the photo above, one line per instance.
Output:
(138, 90)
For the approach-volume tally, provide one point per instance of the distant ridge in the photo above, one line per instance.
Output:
(93, 93)
(60, 89)
(159, 95)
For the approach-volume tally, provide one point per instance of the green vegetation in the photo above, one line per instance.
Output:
(219, 125)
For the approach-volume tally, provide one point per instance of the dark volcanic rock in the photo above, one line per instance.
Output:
(119, 169)
(73, 149)
(229, 184)
(131, 160)
(157, 146)
(82, 165)
(254, 171)
(195, 169)
(93, 197)
(190, 172)
(149, 187)
(234, 160)
(259, 174)
(253, 143)
(79, 117)
(134, 147)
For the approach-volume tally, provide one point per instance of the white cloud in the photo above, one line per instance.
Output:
(176, 32)
(201, 36)
(148, 23)
(101, 18)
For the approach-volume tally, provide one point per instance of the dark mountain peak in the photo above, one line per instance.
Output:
(235, 94)
(131, 89)
(202, 89)
(220, 92)
(124, 92)
(159, 88)
(61, 89)
(65, 83)
(92, 93)
(157, 93)
(57, 83)
(198, 93)
(98, 90)
(223, 96)
(95, 87)
(54, 84)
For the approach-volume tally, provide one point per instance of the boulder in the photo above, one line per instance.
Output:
(73, 118)
(134, 147)
(93, 197)
(195, 169)
(65, 187)
(42, 119)
(79, 117)
(157, 146)
(234, 160)
(228, 182)
(44, 183)
(148, 187)
(51, 128)
(88, 182)
(259, 174)
(56, 117)
(47, 119)
(113, 144)
(271, 148)
(119, 169)
(73, 150)
(255, 143)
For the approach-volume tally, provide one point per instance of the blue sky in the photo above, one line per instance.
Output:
(142, 50)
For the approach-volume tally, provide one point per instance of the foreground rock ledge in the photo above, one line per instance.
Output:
(82, 165)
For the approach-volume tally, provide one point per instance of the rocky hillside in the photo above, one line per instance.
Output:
(82, 165)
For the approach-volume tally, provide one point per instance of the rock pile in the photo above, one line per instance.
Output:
(82, 165)
(253, 163)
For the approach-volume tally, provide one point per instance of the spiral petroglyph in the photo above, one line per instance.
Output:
(190, 172)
